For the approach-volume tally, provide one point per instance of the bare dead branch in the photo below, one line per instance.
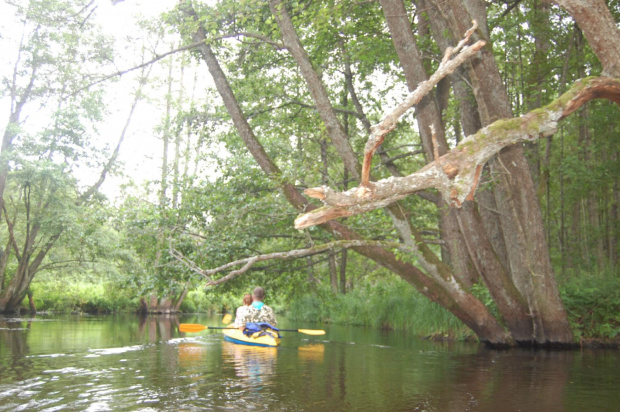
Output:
(379, 131)
(140, 66)
(456, 174)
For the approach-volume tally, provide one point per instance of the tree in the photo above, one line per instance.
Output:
(48, 137)
(515, 264)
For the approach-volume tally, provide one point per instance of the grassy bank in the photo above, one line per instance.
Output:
(85, 297)
(593, 306)
(592, 303)
(387, 305)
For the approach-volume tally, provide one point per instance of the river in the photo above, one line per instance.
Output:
(122, 362)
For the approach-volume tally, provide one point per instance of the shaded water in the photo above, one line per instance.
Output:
(52, 363)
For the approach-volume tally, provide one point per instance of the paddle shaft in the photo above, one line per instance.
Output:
(232, 327)
(189, 327)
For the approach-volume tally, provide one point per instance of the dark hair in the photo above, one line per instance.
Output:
(247, 299)
(259, 293)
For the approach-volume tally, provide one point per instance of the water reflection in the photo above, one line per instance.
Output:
(256, 365)
(14, 347)
(492, 381)
(128, 363)
(158, 327)
(313, 352)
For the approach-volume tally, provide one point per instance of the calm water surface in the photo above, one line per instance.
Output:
(56, 363)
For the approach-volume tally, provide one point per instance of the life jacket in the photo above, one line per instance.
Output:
(257, 329)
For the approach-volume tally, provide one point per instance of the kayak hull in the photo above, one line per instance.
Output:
(236, 336)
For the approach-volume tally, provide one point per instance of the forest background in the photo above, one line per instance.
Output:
(81, 231)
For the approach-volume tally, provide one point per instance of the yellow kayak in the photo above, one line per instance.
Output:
(266, 338)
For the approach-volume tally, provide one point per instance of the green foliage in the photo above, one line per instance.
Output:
(228, 209)
(197, 301)
(388, 304)
(593, 306)
(80, 296)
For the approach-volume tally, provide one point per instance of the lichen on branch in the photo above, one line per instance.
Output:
(456, 174)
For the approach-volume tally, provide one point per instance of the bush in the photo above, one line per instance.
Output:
(593, 306)
(80, 297)
(199, 301)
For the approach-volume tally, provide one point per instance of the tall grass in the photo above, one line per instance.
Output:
(388, 305)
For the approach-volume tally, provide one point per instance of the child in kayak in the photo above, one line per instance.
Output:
(242, 310)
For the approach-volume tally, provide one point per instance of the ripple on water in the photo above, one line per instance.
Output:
(116, 351)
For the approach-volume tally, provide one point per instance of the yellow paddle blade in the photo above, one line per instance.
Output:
(315, 332)
(192, 327)
(227, 319)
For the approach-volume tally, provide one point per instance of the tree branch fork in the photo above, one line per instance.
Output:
(456, 174)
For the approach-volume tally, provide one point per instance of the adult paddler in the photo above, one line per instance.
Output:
(258, 311)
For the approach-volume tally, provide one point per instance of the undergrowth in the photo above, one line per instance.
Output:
(593, 306)
(390, 304)
(80, 297)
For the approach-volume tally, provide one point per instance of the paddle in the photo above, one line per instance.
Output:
(193, 327)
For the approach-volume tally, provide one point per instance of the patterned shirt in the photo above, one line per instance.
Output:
(252, 315)
(241, 312)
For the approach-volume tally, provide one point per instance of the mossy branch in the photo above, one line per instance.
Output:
(456, 174)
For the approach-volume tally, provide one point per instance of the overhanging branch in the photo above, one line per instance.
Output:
(455, 175)
(447, 66)
(291, 254)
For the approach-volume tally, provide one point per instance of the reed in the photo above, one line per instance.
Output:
(390, 305)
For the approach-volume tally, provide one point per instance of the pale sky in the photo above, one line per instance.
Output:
(141, 150)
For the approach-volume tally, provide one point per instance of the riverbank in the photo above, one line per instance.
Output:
(592, 304)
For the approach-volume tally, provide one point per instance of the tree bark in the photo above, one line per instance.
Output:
(428, 117)
(143, 309)
(600, 29)
(32, 307)
(471, 123)
(180, 299)
(515, 195)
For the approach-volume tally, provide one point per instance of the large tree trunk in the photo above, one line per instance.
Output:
(461, 228)
(463, 305)
(33, 308)
(515, 195)
(180, 299)
(471, 123)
